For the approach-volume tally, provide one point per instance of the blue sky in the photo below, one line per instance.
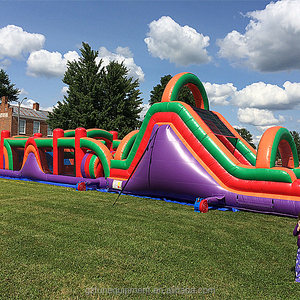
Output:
(246, 53)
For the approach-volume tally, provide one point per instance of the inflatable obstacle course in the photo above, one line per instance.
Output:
(180, 152)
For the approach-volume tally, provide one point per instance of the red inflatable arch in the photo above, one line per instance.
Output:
(192, 82)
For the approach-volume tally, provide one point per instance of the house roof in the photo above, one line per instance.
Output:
(30, 113)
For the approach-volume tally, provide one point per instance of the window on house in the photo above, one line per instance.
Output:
(49, 131)
(22, 127)
(36, 127)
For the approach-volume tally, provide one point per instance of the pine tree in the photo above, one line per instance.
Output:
(7, 88)
(97, 97)
(79, 108)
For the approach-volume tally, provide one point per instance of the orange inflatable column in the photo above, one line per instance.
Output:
(58, 153)
(4, 134)
(79, 153)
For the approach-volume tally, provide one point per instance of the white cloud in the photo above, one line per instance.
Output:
(15, 42)
(23, 92)
(43, 63)
(268, 96)
(260, 118)
(49, 108)
(180, 45)
(29, 104)
(122, 55)
(124, 51)
(256, 95)
(218, 94)
(64, 90)
(5, 63)
(256, 139)
(271, 41)
(257, 102)
(144, 111)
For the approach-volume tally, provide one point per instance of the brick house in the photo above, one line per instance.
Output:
(32, 120)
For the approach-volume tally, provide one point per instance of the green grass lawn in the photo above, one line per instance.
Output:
(58, 243)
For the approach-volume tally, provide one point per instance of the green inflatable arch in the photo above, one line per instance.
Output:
(273, 139)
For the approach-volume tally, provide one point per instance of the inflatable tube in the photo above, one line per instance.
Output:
(5, 159)
(101, 151)
(91, 166)
(69, 133)
(7, 148)
(101, 134)
(125, 145)
(95, 167)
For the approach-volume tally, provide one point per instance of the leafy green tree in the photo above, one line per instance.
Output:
(246, 135)
(7, 88)
(185, 95)
(97, 97)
